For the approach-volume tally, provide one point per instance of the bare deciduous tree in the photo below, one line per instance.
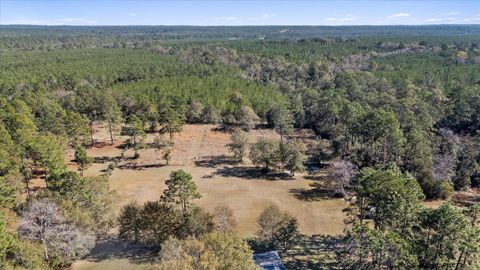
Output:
(443, 167)
(343, 172)
(224, 219)
(445, 159)
(44, 222)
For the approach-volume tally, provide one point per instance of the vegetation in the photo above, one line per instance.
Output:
(181, 190)
(395, 117)
(278, 230)
(265, 152)
(173, 215)
(404, 234)
(82, 159)
(239, 144)
(211, 251)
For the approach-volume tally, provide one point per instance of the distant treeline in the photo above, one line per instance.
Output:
(28, 37)
(280, 31)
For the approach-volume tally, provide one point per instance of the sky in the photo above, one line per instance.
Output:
(238, 12)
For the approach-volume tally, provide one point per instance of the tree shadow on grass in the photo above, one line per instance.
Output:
(213, 161)
(99, 144)
(104, 159)
(111, 247)
(318, 192)
(139, 167)
(312, 252)
(324, 178)
(251, 173)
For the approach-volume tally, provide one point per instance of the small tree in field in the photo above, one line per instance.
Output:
(82, 159)
(277, 229)
(265, 152)
(76, 127)
(293, 156)
(136, 132)
(113, 116)
(239, 144)
(181, 190)
(167, 155)
(282, 121)
(130, 223)
(172, 115)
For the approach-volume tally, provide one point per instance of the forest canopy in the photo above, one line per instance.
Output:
(394, 111)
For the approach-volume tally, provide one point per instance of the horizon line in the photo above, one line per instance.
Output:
(243, 25)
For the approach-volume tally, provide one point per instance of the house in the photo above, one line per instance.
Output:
(269, 260)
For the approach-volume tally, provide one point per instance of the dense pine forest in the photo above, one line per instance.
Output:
(395, 113)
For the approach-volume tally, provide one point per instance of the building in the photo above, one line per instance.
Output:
(269, 260)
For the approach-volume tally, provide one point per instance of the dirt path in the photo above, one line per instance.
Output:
(196, 144)
(188, 144)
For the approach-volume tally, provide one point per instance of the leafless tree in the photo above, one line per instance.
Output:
(343, 172)
(43, 221)
(172, 250)
(443, 167)
(445, 159)
(224, 219)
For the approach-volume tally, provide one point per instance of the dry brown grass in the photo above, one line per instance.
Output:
(201, 150)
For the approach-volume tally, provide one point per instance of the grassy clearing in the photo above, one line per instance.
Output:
(201, 150)
(110, 264)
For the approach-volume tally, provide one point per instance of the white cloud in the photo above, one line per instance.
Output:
(265, 16)
(346, 18)
(400, 15)
(453, 13)
(132, 14)
(438, 20)
(233, 19)
(229, 19)
(474, 19)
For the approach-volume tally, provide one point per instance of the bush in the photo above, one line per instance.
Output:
(195, 112)
(277, 229)
(197, 223)
(239, 144)
(437, 189)
(246, 118)
(211, 251)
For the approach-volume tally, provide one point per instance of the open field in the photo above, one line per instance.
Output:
(201, 150)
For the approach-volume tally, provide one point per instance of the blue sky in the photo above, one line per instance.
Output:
(238, 12)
